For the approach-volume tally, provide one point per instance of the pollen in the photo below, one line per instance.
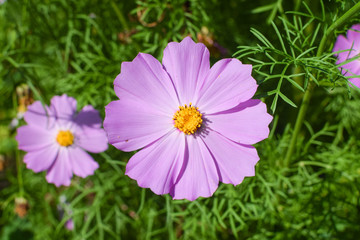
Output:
(188, 119)
(65, 138)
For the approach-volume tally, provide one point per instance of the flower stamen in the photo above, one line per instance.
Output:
(65, 138)
(188, 119)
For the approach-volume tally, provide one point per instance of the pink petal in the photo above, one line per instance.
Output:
(131, 125)
(38, 115)
(351, 68)
(353, 34)
(69, 225)
(82, 163)
(355, 81)
(234, 161)
(91, 139)
(342, 44)
(187, 63)
(352, 44)
(247, 123)
(63, 107)
(158, 165)
(88, 116)
(42, 159)
(32, 138)
(145, 81)
(199, 176)
(60, 172)
(228, 83)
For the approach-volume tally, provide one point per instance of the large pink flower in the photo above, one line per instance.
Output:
(351, 43)
(56, 138)
(194, 124)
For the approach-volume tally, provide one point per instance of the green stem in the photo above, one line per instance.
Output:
(306, 99)
(19, 174)
(120, 15)
(123, 22)
(299, 122)
(17, 158)
(297, 4)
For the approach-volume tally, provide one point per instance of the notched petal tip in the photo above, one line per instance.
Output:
(189, 40)
(58, 183)
(191, 197)
(126, 66)
(187, 63)
(64, 98)
(187, 45)
(63, 107)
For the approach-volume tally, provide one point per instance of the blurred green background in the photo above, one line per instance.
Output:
(49, 48)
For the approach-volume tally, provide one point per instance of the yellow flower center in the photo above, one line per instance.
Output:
(65, 138)
(187, 119)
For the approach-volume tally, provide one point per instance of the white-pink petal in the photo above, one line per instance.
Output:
(39, 115)
(82, 163)
(228, 83)
(91, 139)
(144, 80)
(42, 159)
(157, 166)
(187, 63)
(60, 172)
(64, 108)
(247, 123)
(88, 116)
(234, 161)
(199, 176)
(131, 125)
(32, 138)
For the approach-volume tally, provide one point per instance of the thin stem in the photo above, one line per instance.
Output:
(297, 4)
(299, 122)
(17, 158)
(120, 15)
(19, 174)
(306, 99)
(123, 22)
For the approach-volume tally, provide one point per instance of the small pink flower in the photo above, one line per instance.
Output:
(194, 124)
(57, 138)
(69, 225)
(351, 43)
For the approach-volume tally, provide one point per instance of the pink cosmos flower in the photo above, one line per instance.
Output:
(194, 124)
(56, 138)
(69, 225)
(351, 43)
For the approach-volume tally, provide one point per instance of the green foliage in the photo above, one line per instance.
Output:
(77, 47)
(293, 59)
